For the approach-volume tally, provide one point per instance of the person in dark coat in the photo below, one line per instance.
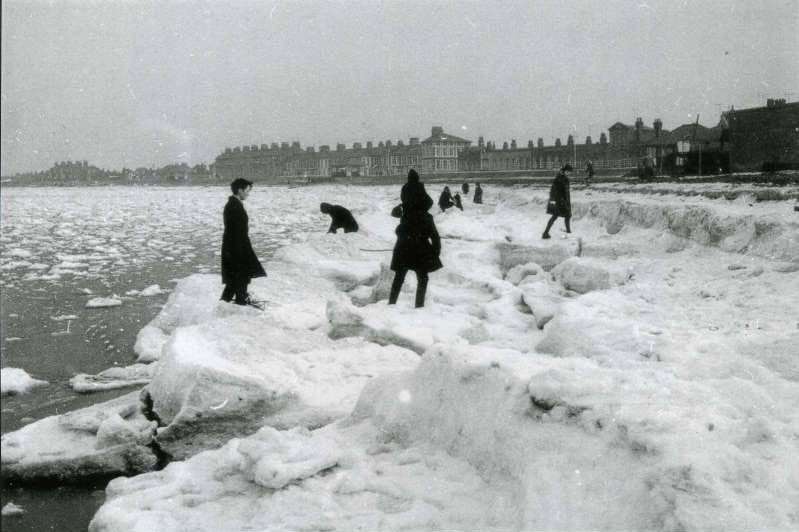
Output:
(589, 170)
(559, 200)
(239, 263)
(465, 189)
(445, 199)
(456, 199)
(478, 193)
(342, 218)
(418, 245)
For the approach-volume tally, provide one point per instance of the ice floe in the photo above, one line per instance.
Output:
(16, 381)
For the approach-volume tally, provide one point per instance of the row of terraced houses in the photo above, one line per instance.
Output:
(748, 139)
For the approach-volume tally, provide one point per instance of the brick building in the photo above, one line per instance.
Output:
(763, 137)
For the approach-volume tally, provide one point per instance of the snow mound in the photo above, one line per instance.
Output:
(103, 302)
(522, 271)
(582, 274)
(546, 255)
(602, 325)
(273, 459)
(228, 377)
(193, 301)
(414, 329)
(16, 381)
(340, 258)
(113, 378)
(103, 440)
(542, 297)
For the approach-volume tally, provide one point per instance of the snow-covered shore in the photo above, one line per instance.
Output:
(640, 373)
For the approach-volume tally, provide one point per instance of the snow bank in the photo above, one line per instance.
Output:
(763, 235)
(583, 275)
(546, 255)
(103, 440)
(15, 381)
(341, 258)
(228, 377)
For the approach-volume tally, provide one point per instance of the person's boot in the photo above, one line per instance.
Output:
(396, 286)
(545, 236)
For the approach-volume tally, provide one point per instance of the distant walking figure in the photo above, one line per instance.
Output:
(418, 245)
(465, 188)
(478, 193)
(239, 263)
(445, 199)
(589, 170)
(456, 199)
(559, 200)
(342, 218)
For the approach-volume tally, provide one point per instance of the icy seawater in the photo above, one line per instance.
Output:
(62, 248)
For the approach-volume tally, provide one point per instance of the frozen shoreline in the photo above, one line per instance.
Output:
(640, 363)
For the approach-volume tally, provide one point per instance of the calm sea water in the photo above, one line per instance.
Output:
(59, 247)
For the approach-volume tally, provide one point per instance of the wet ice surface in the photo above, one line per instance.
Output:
(638, 374)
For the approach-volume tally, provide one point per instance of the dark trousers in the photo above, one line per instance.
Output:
(551, 221)
(421, 287)
(237, 288)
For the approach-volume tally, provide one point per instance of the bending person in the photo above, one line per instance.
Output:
(418, 245)
(559, 200)
(342, 218)
(445, 199)
(239, 263)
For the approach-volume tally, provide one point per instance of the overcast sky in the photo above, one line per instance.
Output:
(148, 83)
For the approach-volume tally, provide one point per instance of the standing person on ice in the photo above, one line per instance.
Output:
(342, 218)
(418, 245)
(239, 263)
(559, 200)
(478, 193)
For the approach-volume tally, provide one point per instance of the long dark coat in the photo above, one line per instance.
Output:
(239, 262)
(560, 203)
(478, 194)
(418, 245)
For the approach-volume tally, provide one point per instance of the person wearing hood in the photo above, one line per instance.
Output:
(342, 218)
(239, 262)
(478, 193)
(559, 203)
(456, 199)
(418, 245)
(445, 199)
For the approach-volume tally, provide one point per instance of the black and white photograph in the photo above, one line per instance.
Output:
(399, 265)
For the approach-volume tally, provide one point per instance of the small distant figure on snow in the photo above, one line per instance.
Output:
(445, 199)
(239, 262)
(478, 193)
(589, 171)
(456, 199)
(418, 245)
(342, 218)
(465, 189)
(559, 200)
